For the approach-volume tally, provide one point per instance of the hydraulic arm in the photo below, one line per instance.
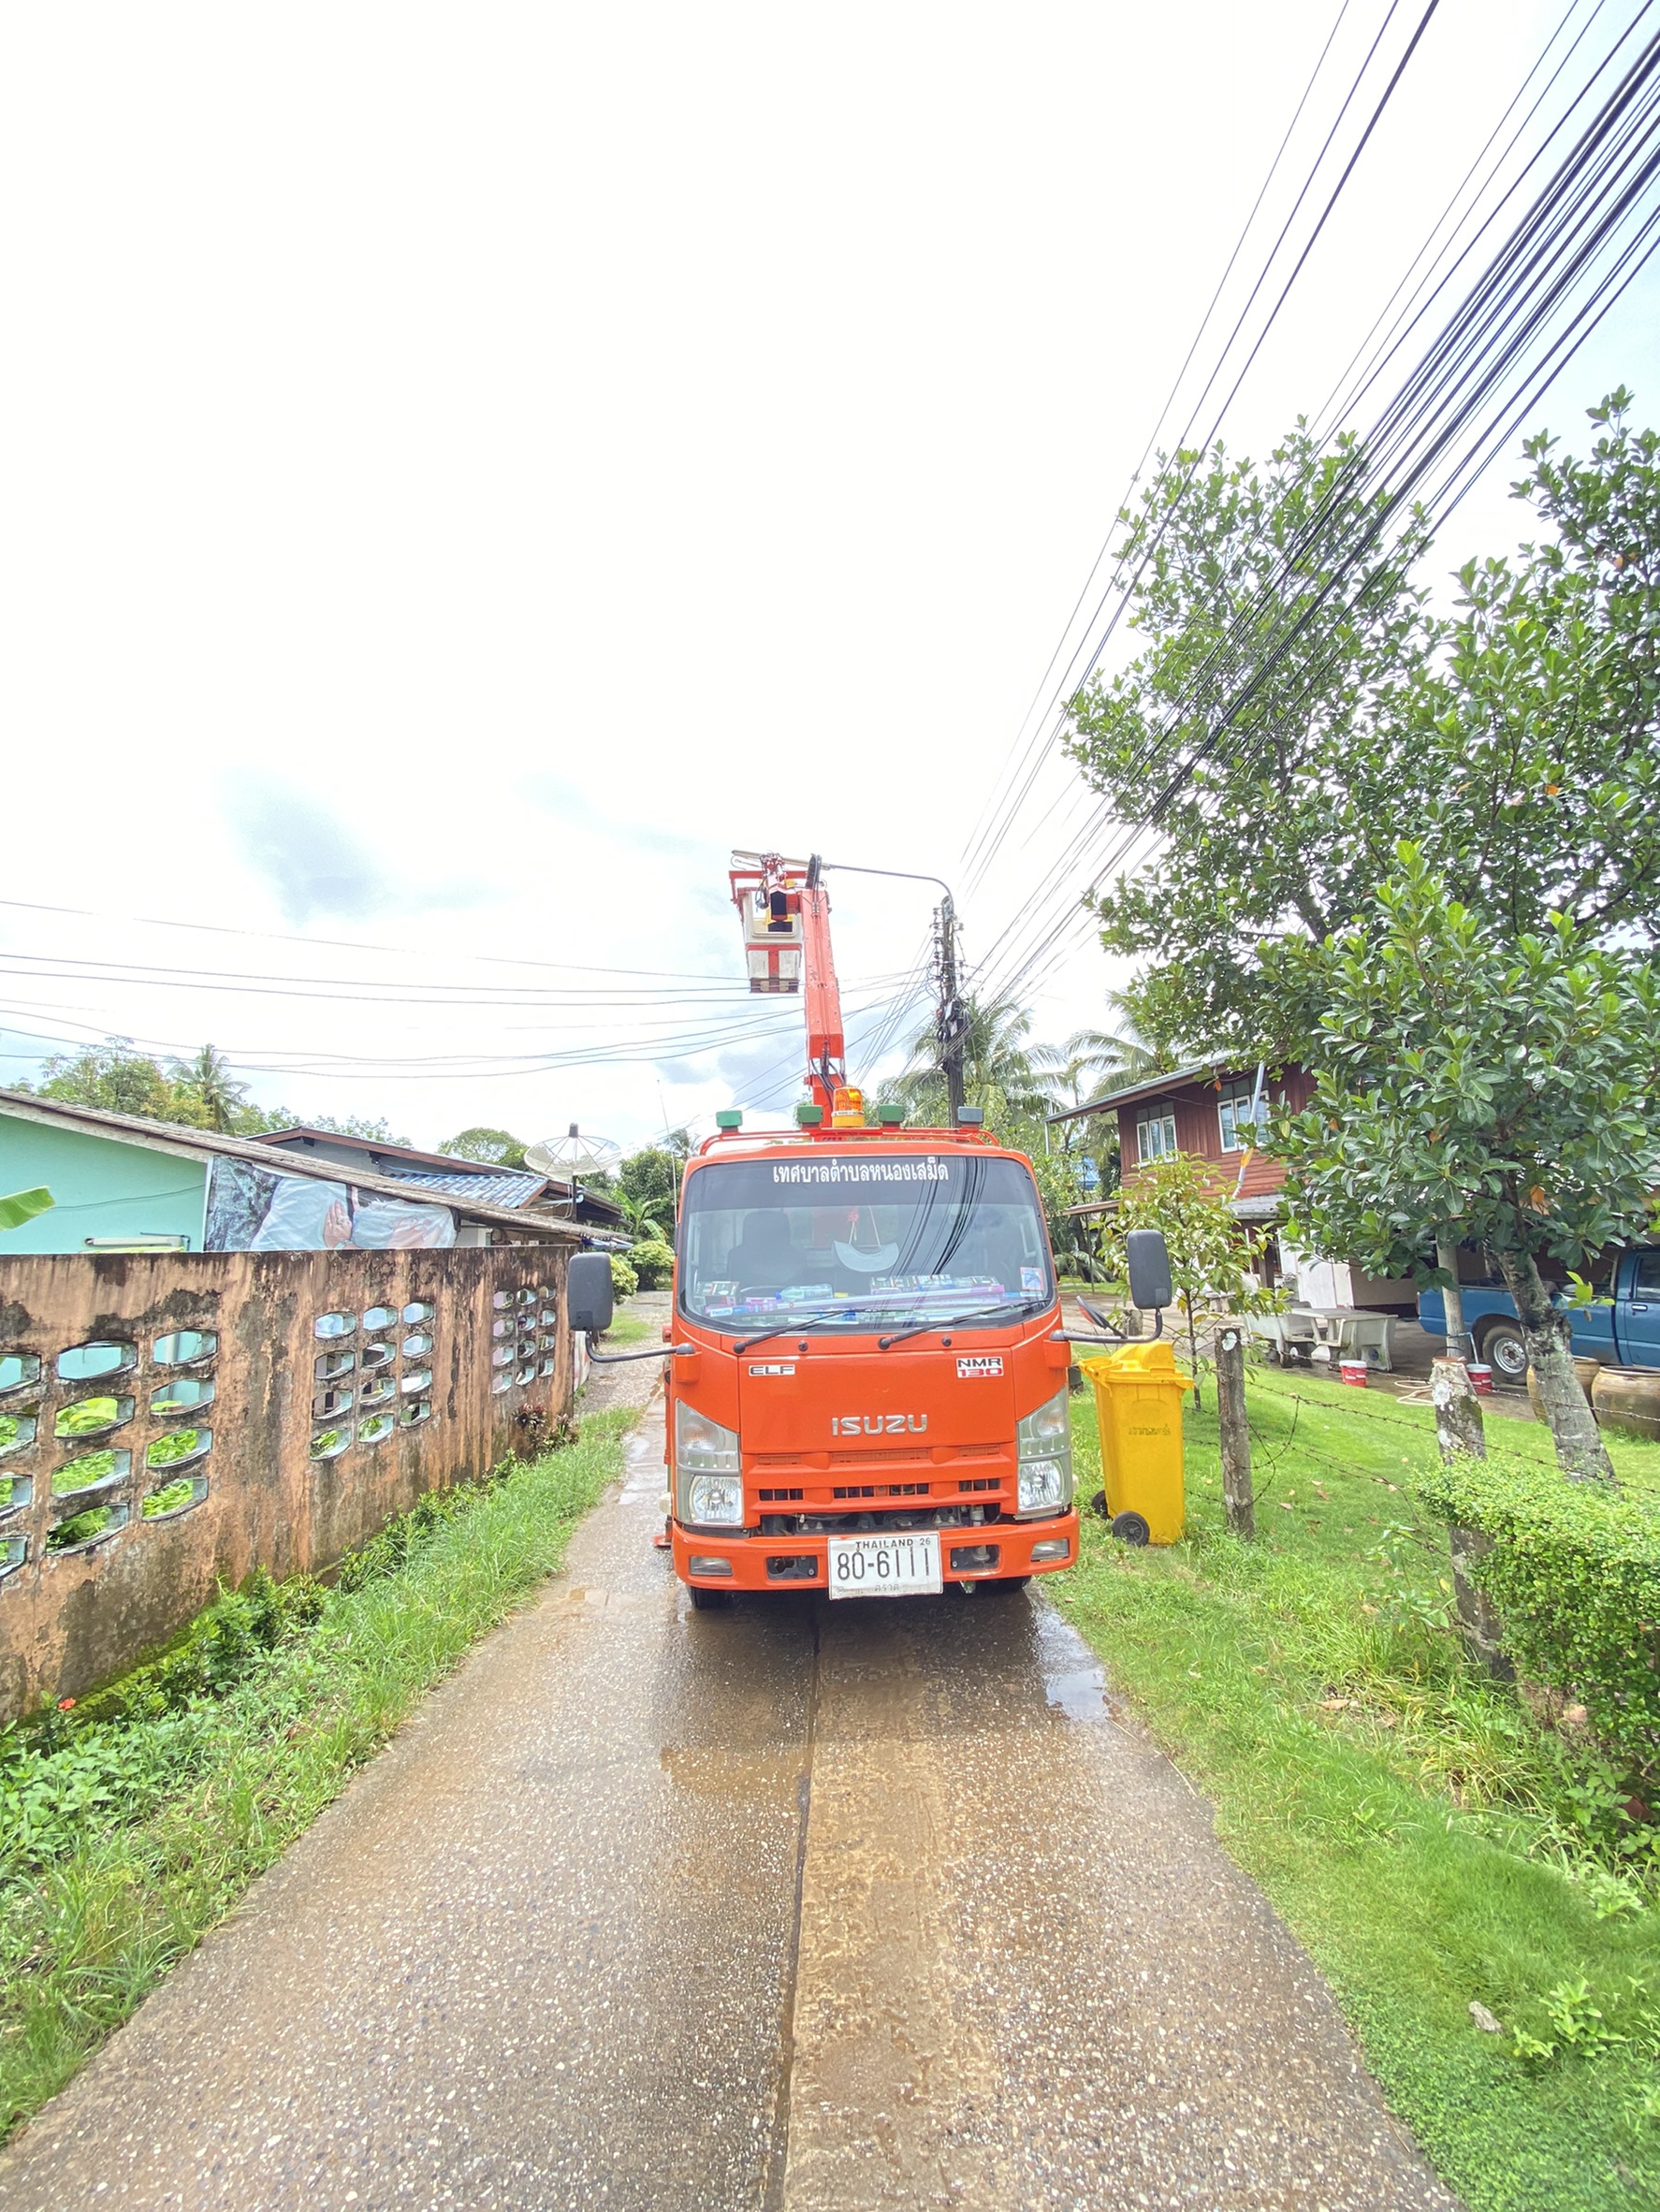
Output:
(785, 911)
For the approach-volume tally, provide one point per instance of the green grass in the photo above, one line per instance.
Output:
(628, 1329)
(130, 1827)
(1428, 1842)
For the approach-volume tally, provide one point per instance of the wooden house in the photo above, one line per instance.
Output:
(1220, 1116)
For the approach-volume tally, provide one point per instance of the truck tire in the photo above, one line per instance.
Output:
(1502, 1346)
(709, 1601)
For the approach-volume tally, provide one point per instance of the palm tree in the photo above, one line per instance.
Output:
(1100, 1060)
(206, 1085)
(999, 1066)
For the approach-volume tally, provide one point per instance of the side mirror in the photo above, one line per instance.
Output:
(588, 1292)
(1149, 1269)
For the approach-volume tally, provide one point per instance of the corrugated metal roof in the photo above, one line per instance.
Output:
(510, 1187)
(166, 1136)
(1149, 1086)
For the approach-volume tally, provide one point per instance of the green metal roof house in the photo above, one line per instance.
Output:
(121, 1183)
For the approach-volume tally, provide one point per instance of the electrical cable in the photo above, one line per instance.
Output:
(970, 849)
(1555, 202)
(1477, 310)
(1055, 714)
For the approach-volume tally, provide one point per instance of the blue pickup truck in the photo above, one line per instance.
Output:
(1624, 1331)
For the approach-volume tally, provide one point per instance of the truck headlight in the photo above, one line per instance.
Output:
(1043, 1444)
(714, 1501)
(708, 1488)
(1042, 1483)
(703, 1446)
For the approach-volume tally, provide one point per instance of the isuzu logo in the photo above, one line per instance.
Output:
(878, 1424)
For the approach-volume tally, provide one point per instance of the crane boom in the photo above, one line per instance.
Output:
(785, 911)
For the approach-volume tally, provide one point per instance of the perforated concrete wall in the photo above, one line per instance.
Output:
(169, 1421)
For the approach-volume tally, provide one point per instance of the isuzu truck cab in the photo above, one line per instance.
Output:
(872, 1396)
(866, 1387)
(867, 1371)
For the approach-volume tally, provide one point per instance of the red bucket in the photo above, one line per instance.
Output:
(1480, 1377)
(1353, 1373)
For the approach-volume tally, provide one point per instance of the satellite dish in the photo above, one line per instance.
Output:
(573, 1156)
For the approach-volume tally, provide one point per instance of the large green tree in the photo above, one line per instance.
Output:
(1506, 1087)
(112, 1075)
(1297, 712)
(649, 1180)
(1264, 734)
(197, 1093)
(491, 1147)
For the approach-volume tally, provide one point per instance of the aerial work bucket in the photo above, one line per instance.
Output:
(772, 940)
(1138, 1398)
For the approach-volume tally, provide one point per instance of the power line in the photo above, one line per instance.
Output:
(1086, 655)
(1428, 442)
(993, 803)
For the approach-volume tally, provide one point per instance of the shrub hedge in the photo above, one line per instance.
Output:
(654, 1263)
(624, 1282)
(1574, 1573)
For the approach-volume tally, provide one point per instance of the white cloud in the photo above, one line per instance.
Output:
(539, 448)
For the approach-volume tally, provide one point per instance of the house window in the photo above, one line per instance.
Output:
(1155, 1136)
(1238, 1130)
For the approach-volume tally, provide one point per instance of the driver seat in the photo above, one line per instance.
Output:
(764, 1257)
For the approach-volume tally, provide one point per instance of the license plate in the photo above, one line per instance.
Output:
(885, 1566)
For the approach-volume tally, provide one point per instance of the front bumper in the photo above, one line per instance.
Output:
(756, 1563)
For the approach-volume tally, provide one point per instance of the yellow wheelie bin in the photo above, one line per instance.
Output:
(1138, 1397)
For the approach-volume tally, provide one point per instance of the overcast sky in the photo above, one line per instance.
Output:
(466, 469)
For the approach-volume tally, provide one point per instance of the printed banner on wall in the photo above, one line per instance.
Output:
(255, 1209)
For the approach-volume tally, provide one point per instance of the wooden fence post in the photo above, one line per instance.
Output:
(1235, 1429)
(1459, 1431)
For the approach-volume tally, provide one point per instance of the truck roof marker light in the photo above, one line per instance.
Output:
(971, 1117)
(729, 1117)
(848, 1108)
(809, 1118)
(890, 1117)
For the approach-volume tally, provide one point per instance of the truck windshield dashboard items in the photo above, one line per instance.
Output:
(823, 1243)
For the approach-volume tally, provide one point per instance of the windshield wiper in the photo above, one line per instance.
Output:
(820, 1313)
(985, 1313)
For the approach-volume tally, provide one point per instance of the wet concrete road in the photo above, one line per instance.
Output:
(801, 1905)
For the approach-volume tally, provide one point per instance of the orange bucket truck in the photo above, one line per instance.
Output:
(867, 1382)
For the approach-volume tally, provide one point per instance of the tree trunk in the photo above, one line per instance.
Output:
(1458, 1410)
(1193, 1358)
(1458, 1342)
(1477, 1619)
(1459, 1431)
(1235, 1430)
(1580, 1452)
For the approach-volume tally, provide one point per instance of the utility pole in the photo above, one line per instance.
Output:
(949, 1024)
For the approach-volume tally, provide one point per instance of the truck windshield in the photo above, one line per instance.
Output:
(828, 1242)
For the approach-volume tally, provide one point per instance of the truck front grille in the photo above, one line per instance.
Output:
(843, 1524)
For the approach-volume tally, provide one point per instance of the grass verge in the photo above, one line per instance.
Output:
(130, 1826)
(1430, 1844)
